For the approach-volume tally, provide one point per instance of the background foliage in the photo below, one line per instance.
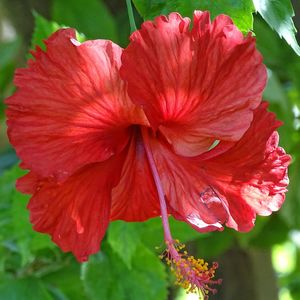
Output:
(128, 267)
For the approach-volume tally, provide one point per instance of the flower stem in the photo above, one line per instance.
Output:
(131, 16)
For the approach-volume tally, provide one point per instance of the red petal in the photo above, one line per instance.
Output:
(185, 188)
(71, 107)
(76, 213)
(229, 186)
(135, 197)
(195, 86)
(28, 184)
(252, 175)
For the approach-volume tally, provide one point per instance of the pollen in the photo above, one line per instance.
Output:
(193, 274)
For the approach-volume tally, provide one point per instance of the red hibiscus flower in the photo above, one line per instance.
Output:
(173, 124)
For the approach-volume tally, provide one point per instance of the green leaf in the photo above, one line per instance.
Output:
(123, 238)
(16, 229)
(106, 277)
(8, 56)
(239, 11)
(278, 14)
(23, 289)
(91, 17)
(66, 281)
(27, 240)
(44, 28)
(7, 182)
(7, 188)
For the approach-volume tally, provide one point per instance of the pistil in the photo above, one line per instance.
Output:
(191, 273)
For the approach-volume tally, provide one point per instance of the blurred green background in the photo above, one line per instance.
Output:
(261, 265)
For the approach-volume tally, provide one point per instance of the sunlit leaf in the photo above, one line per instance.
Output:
(278, 14)
(239, 11)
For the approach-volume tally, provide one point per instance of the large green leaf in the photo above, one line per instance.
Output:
(123, 238)
(7, 182)
(278, 14)
(90, 17)
(7, 189)
(23, 289)
(66, 281)
(239, 11)
(106, 277)
(16, 229)
(27, 240)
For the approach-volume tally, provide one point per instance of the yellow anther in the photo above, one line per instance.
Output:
(192, 274)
